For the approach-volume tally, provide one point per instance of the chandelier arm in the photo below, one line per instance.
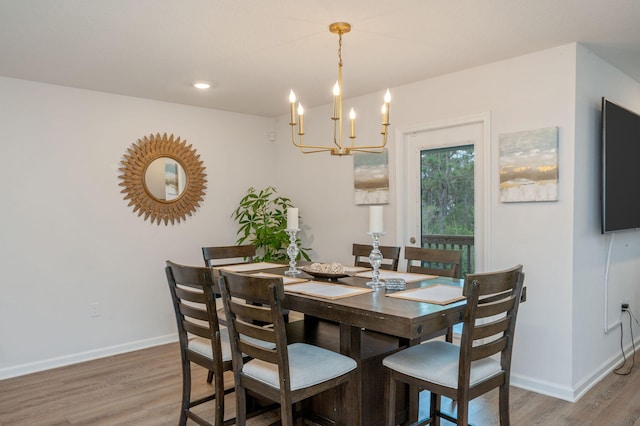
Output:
(306, 147)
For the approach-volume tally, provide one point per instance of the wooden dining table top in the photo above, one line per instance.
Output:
(375, 310)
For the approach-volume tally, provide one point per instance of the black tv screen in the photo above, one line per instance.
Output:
(620, 168)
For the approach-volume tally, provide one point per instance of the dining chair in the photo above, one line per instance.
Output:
(468, 371)
(390, 256)
(445, 263)
(226, 255)
(242, 254)
(202, 342)
(283, 373)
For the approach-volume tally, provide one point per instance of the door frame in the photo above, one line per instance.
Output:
(482, 179)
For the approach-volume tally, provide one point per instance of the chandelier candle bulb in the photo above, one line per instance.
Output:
(292, 218)
(300, 114)
(352, 118)
(292, 100)
(387, 100)
(375, 219)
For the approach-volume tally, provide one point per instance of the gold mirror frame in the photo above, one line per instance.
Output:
(135, 164)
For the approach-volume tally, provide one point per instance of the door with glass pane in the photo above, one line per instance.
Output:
(444, 190)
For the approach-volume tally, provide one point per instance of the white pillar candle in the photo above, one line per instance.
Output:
(376, 224)
(292, 218)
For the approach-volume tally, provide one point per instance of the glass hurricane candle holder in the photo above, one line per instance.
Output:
(292, 252)
(375, 258)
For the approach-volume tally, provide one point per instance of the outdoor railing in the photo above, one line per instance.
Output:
(464, 243)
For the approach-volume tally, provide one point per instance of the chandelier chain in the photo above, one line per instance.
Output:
(340, 49)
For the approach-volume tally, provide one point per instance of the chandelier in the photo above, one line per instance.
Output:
(337, 148)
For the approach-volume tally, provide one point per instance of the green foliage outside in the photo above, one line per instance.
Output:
(262, 219)
(447, 191)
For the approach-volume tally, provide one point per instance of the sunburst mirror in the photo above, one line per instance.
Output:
(163, 178)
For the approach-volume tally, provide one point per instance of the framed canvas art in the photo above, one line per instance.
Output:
(371, 178)
(529, 165)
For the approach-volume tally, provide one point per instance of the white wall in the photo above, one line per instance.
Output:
(596, 352)
(69, 239)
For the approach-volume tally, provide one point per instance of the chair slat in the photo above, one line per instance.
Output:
(251, 312)
(445, 263)
(258, 352)
(490, 329)
(390, 256)
(197, 329)
(213, 254)
(495, 308)
(194, 312)
(190, 295)
(254, 331)
(488, 349)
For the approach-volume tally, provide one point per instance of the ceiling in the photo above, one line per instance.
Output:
(254, 51)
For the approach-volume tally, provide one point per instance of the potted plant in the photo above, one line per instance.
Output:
(262, 217)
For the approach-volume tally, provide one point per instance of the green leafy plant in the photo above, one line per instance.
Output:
(262, 216)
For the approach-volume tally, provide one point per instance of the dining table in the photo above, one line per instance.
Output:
(367, 324)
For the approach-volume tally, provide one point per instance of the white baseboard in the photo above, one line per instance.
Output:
(571, 394)
(47, 364)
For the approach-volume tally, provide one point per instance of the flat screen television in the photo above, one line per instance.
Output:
(620, 207)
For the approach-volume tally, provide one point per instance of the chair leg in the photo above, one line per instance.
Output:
(463, 412)
(390, 397)
(219, 388)
(186, 391)
(241, 405)
(286, 414)
(449, 335)
(210, 377)
(434, 409)
(503, 396)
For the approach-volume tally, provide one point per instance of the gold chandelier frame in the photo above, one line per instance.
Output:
(337, 147)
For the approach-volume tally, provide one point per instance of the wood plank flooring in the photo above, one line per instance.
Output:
(143, 388)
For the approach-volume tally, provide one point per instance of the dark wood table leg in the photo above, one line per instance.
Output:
(350, 341)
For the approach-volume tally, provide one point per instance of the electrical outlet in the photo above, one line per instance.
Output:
(94, 310)
(624, 305)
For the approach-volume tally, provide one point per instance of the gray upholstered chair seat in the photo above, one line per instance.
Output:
(437, 362)
(308, 365)
(203, 347)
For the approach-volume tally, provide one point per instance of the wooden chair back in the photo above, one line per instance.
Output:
(445, 263)
(390, 256)
(243, 253)
(489, 322)
(194, 305)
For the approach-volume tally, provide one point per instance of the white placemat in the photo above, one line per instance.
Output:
(326, 290)
(439, 294)
(407, 276)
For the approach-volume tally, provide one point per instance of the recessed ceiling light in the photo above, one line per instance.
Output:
(201, 85)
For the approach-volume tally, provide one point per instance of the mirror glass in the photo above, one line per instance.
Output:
(165, 179)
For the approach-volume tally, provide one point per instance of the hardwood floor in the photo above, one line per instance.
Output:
(143, 388)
